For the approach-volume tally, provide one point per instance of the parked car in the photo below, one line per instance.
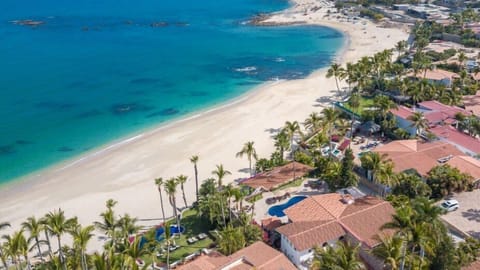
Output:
(450, 205)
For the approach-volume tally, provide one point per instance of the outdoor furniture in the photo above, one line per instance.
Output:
(202, 236)
(140, 262)
(192, 240)
(271, 200)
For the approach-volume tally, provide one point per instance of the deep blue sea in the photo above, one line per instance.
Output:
(98, 71)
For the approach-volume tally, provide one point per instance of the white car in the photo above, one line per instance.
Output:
(450, 205)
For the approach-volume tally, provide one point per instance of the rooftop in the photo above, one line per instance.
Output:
(435, 75)
(256, 256)
(278, 176)
(413, 154)
(456, 137)
(433, 111)
(472, 103)
(327, 217)
(466, 164)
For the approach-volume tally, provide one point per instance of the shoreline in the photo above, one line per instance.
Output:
(124, 170)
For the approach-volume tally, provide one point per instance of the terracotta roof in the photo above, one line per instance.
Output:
(256, 256)
(435, 75)
(271, 223)
(278, 176)
(322, 218)
(413, 154)
(402, 112)
(472, 103)
(448, 110)
(308, 234)
(456, 137)
(476, 76)
(466, 164)
(473, 266)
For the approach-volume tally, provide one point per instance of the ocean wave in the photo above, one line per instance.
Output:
(279, 59)
(246, 69)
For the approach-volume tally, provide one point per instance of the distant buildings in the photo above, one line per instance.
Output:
(437, 75)
(322, 220)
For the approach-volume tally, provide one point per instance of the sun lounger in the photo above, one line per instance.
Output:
(202, 236)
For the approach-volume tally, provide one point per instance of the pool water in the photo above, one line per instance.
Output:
(277, 210)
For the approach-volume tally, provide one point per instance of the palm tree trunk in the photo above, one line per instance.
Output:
(168, 254)
(60, 253)
(37, 243)
(175, 212)
(48, 244)
(250, 164)
(161, 205)
(338, 87)
(27, 261)
(196, 180)
(3, 259)
(184, 198)
(84, 260)
(253, 209)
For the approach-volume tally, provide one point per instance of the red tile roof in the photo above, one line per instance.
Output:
(256, 256)
(435, 75)
(402, 112)
(466, 164)
(278, 176)
(448, 110)
(472, 103)
(272, 223)
(322, 218)
(456, 137)
(413, 154)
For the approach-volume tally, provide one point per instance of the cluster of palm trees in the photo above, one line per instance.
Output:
(35, 237)
(420, 239)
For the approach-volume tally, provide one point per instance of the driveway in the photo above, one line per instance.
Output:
(467, 217)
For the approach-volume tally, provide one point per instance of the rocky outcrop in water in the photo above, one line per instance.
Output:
(30, 23)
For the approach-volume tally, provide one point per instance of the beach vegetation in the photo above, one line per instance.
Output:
(194, 161)
(249, 150)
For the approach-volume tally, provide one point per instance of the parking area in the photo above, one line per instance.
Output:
(467, 217)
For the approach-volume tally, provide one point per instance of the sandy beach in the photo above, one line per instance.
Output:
(126, 171)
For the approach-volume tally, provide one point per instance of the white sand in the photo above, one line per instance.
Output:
(126, 172)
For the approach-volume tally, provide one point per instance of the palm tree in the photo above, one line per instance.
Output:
(250, 151)
(159, 182)
(390, 251)
(343, 257)
(337, 72)
(384, 104)
(171, 188)
(231, 240)
(379, 166)
(313, 122)
(282, 142)
(401, 46)
(220, 172)
(182, 179)
(16, 247)
(58, 225)
(330, 115)
(462, 58)
(34, 228)
(194, 161)
(81, 237)
(2, 254)
(354, 103)
(109, 221)
(418, 122)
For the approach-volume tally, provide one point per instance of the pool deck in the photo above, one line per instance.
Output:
(261, 207)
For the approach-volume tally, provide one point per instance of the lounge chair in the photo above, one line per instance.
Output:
(202, 236)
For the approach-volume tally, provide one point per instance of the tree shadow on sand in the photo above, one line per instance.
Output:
(472, 215)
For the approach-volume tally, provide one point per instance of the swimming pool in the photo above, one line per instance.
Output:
(277, 210)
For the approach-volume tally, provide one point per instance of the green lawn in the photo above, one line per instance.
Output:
(365, 102)
(193, 225)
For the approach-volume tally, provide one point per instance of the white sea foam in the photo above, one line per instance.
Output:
(246, 69)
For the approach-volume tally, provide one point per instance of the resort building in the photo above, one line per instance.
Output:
(322, 220)
(440, 76)
(278, 176)
(258, 256)
(465, 143)
(434, 112)
(408, 155)
(419, 156)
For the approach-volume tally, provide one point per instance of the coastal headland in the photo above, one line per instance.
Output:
(125, 171)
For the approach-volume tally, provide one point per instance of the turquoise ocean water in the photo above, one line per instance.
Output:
(97, 71)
